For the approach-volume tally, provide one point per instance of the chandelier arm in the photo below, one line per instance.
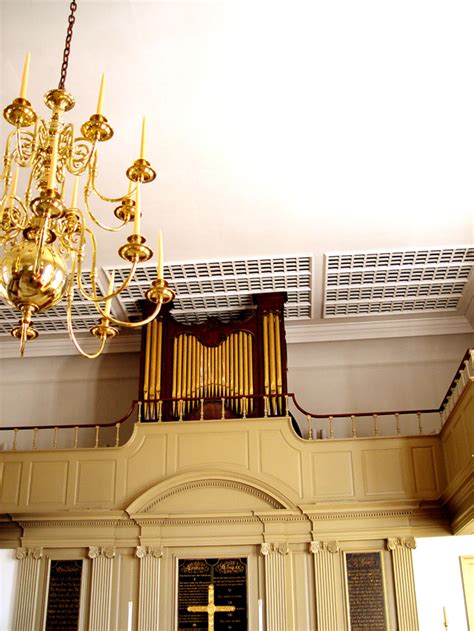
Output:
(131, 325)
(7, 157)
(97, 221)
(80, 140)
(27, 162)
(95, 299)
(110, 199)
(103, 338)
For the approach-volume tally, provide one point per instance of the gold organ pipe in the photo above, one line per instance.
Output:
(195, 390)
(147, 364)
(250, 352)
(279, 376)
(175, 372)
(227, 367)
(236, 368)
(271, 347)
(212, 352)
(179, 368)
(188, 372)
(265, 355)
(153, 362)
(241, 364)
(157, 361)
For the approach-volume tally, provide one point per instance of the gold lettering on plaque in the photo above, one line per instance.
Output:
(210, 608)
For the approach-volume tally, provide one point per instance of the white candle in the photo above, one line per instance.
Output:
(143, 143)
(24, 78)
(130, 614)
(260, 614)
(160, 255)
(100, 101)
(109, 291)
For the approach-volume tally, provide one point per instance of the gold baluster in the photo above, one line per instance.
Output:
(117, 434)
(55, 438)
(139, 412)
(202, 410)
(353, 422)
(376, 425)
(331, 427)
(15, 436)
(76, 436)
(310, 429)
(286, 405)
(97, 429)
(222, 409)
(35, 437)
(160, 411)
(397, 419)
(420, 425)
(180, 410)
(265, 407)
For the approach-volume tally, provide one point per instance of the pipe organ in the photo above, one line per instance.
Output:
(238, 366)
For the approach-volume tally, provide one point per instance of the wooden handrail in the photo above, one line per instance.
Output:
(290, 395)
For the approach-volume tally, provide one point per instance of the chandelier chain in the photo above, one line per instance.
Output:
(67, 46)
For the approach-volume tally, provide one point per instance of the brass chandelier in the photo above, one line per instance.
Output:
(44, 238)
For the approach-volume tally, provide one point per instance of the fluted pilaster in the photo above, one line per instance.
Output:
(28, 577)
(401, 548)
(325, 557)
(101, 587)
(275, 585)
(148, 597)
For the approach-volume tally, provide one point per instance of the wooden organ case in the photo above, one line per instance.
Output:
(229, 369)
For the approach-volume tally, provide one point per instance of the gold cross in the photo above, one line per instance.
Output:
(211, 608)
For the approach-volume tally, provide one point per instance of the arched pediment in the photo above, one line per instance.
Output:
(201, 493)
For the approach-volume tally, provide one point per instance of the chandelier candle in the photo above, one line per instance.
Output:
(43, 240)
(24, 78)
(100, 101)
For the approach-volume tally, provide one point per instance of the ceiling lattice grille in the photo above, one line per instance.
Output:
(397, 281)
(203, 288)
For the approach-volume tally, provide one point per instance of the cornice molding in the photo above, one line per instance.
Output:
(48, 346)
(366, 330)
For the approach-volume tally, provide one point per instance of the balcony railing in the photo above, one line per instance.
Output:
(310, 425)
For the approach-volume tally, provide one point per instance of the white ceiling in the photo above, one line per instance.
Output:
(277, 129)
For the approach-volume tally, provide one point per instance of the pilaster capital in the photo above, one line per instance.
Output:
(324, 546)
(281, 548)
(34, 553)
(152, 551)
(401, 542)
(107, 552)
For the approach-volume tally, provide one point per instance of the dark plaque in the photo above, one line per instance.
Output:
(366, 591)
(64, 595)
(229, 577)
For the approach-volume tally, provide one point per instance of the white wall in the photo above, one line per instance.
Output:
(8, 570)
(328, 377)
(438, 581)
(375, 375)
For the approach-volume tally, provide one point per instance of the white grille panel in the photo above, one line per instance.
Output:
(224, 288)
(411, 281)
(203, 288)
